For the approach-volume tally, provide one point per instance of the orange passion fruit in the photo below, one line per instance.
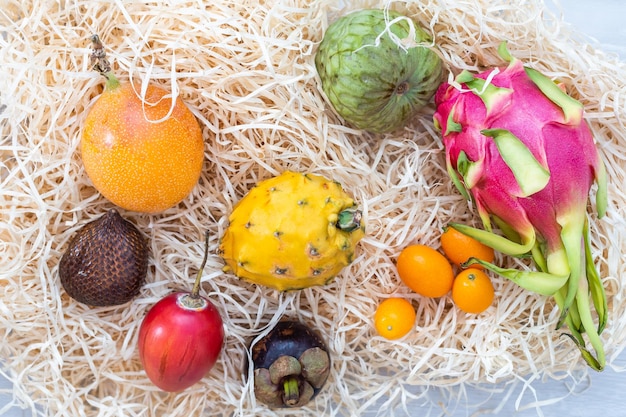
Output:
(145, 153)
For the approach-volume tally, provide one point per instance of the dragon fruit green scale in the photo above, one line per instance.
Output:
(292, 231)
(377, 68)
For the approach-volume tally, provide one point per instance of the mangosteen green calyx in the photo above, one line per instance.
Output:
(377, 68)
(106, 262)
(291, 365)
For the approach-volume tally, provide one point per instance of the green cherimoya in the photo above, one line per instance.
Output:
(377, 68)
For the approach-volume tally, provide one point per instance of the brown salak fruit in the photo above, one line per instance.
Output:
(106, 262)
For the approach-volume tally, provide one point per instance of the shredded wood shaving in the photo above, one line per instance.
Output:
(246, 70)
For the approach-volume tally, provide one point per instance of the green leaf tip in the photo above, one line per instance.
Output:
(456, 180)
(598, 294)
(464, 77)
(572, 109)
(503, 51)
(490, 94)
(587, 356)
(471, 171)
(572, 231)
(451, 125)
(601, 193)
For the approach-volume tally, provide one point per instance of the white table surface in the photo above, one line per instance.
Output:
(602, 394)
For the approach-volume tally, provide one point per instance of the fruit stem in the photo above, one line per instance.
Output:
(195, 291)
(291, 391)
(100, 63)
(349, 219)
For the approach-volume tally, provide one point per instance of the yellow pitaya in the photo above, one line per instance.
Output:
(518, 146)
(292, 231)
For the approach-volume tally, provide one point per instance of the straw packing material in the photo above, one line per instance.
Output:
(246, 71)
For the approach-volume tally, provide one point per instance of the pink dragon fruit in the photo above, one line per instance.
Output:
(517, 145)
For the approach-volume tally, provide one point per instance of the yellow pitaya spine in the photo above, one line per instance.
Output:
(292, 231)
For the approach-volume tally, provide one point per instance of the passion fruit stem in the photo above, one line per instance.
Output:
(100, 63)
(291, 390)
(349, 219)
